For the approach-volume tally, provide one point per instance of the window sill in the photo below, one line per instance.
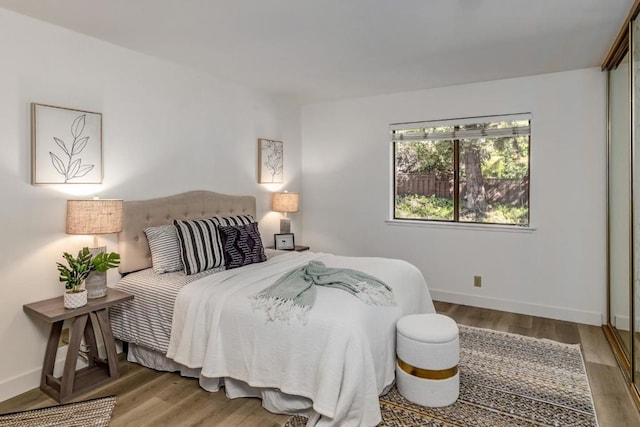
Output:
(461, 226)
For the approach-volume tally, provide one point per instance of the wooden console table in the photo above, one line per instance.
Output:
(99, 370)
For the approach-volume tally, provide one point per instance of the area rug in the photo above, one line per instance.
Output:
(505, 380)
(89, 413)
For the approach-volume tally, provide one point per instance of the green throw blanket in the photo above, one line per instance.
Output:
(294, 293)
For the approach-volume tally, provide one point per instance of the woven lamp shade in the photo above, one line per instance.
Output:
(285, 202)
(97, 216)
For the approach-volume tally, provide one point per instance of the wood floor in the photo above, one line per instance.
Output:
(150, 398)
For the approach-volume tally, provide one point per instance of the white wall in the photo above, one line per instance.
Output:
(556, 271)
(166, 129)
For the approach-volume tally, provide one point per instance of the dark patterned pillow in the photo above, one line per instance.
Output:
(242, 245)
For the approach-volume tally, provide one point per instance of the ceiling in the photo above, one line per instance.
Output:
(316, 50)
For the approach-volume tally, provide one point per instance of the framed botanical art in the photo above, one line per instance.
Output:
(270, 161)
(66, 146)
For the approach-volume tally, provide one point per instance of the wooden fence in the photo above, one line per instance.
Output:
(504, 191)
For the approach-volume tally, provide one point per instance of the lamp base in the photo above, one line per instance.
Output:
(96, 283)
(285, 225)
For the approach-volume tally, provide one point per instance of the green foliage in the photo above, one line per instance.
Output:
(507, 214)
(435, 208)
(104, 261)
(80, 267)
(500, 157)
(78, 270)
(506, 158)
(425, 157)
(422, 207)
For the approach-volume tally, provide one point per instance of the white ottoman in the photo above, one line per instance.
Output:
(428, 353)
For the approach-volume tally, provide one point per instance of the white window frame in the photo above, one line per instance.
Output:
(528, 228)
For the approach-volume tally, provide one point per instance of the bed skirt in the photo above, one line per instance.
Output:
(273, 400)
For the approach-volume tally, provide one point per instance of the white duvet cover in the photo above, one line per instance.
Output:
(341, 359)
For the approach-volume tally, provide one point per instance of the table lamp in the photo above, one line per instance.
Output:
(285, 202)
(95, 216)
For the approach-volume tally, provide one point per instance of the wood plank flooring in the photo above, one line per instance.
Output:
(150, 398)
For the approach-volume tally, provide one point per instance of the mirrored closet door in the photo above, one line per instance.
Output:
(635, 153)
(622, 329)
(619, 203)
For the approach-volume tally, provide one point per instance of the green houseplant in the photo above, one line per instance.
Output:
(78, 269)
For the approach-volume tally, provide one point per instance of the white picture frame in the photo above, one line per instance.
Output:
(284, 241)
(66, 145)
(270, 161)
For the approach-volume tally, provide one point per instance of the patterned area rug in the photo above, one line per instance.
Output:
(90, 413)
(505, 380)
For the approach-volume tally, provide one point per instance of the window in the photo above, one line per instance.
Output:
(468, 170)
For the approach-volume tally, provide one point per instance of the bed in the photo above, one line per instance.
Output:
(330, 366)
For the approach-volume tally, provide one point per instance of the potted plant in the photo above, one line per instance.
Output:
(78, 269)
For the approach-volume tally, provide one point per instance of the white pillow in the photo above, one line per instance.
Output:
(165, 248)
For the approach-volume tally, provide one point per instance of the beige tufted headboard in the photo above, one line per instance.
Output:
(140, 214)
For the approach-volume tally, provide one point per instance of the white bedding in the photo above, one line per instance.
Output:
(341, 360)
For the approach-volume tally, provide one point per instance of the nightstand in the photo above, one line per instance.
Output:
(299, 248)
(99, 370)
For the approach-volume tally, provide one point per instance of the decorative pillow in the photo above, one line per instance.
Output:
(200, 243)
(165, 248)
(235, 220)
(242, 245)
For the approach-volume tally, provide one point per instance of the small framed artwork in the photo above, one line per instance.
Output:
(284, 241)
(66, 146)
(270, 161)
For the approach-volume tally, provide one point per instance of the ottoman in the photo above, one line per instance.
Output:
(427, 350)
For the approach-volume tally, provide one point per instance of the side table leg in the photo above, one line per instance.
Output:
(69, 373)
(109, 343)
(50, 353)
(90, 341)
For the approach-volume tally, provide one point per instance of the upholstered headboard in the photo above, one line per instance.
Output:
(140, 214)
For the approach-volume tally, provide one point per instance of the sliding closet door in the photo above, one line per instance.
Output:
(635, 137)
(622, 330)
(619, 203)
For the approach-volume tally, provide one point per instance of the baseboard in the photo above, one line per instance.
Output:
(512, 306)
(19, 384)
(622, 322)
(31, 379)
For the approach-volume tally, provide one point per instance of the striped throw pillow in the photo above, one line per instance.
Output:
(165, 248)
(200, 243)
(242, 245)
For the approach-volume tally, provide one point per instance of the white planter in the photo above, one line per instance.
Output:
(75, 299)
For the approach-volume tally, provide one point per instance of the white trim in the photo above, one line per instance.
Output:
(31, 379)
(511, 306)
(621, 322)
(460, 225)
(419, 135)
(461, 121)
(19, 384)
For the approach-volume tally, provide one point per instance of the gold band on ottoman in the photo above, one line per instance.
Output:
(428, 374)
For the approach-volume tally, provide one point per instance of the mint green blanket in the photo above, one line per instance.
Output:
(293, 294)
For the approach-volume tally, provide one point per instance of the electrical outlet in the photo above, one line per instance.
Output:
(64, 338)
(477, 281)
